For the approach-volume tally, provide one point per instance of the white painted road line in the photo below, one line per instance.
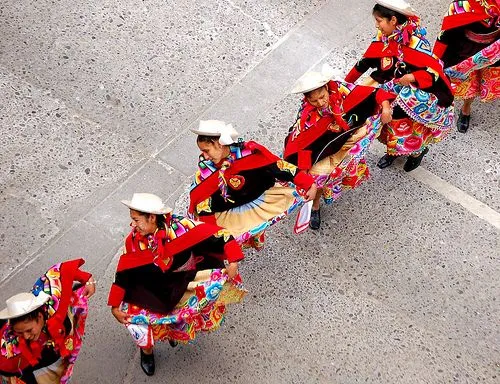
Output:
(450, 192)
(456, 195)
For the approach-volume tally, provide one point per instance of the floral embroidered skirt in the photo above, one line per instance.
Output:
(477, 75)
(406, 137)
(483, 83)
(248, 222)
(201, 309)
(347, 168)
(427, 122)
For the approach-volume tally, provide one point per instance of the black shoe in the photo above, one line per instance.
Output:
(148, 363)
(414, 162)
(385, 161)
(463, 122)
(315, 219)
(173, 343)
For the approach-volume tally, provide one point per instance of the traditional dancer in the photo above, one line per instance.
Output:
(43, 335)
(335, 126)
(236, 184)
(469, 46)
(171, 281)
(404, 64)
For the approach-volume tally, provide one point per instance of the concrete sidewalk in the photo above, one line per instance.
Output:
(398, 286)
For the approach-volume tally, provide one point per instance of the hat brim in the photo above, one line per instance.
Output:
(203, 133)
(304, 89)
(388, 4)
(163, 211)
(39, 300)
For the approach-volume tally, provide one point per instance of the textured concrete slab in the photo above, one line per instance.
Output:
(18, 215)
(278, 17)
(262, 87)
(83, 240)
(477, 169)
(397, 287)
(154, 177)
(256, 92)
(144, 58)
(55, 163)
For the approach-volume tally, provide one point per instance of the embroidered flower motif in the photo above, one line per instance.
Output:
(413, 143)
(334, 128)
(200, 292)
(386, 63)
(286, 166)
(204, 206)
(213, 291)
(402, 129)
(237, 182)
(68, 343)
(223, 233)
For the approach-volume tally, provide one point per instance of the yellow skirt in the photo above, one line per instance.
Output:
(248, 222)
(326, 166)
(51, 374)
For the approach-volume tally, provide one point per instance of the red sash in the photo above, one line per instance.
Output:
(135, 259)
(187, 240)
(308, 137)
(411, 56)
(260, 157)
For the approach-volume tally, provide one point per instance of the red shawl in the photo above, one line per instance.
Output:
(411, 56)
(183, 233)
(310, 114)
(462, 13)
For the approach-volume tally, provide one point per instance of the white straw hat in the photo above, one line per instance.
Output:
(400, 6)
(217, 128)
(22, 304)
(147, 203)
(313, 80)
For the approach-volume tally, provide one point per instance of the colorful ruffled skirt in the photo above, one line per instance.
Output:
(77, 313)
(427, 122)
(483, 83)
(478, 75)
(201, 309)
(248, 222)
(347, 168)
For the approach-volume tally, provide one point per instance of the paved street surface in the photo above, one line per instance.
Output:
(400, 285)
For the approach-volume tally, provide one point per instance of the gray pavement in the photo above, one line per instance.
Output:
(400, 285)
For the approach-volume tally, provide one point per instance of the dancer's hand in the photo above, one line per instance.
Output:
(386, 116)
(89, 289)
(119, 315)
(406, 79)
(311, 193)
(232, 270)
